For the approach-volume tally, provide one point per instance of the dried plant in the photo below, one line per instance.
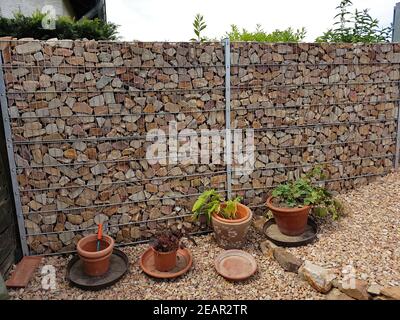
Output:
(168, 240)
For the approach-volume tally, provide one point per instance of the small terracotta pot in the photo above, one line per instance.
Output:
(164, 261)
(232, 233)
(290, 221)
(95, 263)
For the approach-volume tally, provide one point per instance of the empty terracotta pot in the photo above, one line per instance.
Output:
(232, 233)
(290, 221)
(164, 261)
(95, 263)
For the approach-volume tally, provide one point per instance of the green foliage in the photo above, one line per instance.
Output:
(210, 201)
(357, 26)
(305, 191)
(259, 35)
(198, 26)
(21, 26)
(229, 210)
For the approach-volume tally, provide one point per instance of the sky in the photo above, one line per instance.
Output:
(171, 20)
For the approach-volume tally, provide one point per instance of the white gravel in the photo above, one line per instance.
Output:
(368, 236)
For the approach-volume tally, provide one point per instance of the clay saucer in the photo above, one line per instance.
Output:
(183, 263)
(235, 265)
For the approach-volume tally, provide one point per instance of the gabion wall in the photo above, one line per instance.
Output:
(80, 112)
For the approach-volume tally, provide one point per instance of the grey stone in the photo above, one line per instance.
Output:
(66, 237)
(29, 47)
(99, 169)
(103, 81)
(96, 101)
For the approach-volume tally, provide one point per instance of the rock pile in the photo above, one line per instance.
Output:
(326, 281)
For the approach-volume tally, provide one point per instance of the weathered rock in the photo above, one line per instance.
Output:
(99, 169)
(70, 154)
(391, 292)
(355, 288)
(267, 248)
(90, 57)
(75, 218)
(336, 294)
(318, 277)
(374, 289)
(66, 237)
(82, 107)
(96, 101)
(286, 260)
(29, 47)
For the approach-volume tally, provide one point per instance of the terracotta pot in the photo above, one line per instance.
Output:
(290, 221)
(164, 261)
(232, 233)
(95, 263)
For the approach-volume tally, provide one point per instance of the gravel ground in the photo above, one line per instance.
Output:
(366, 237)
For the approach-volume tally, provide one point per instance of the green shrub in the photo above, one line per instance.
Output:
(259, 35)
(305, 191)
(357, 26)
(21, 26)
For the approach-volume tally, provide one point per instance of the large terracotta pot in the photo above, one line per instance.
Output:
(95, 263)
(232, 233)
(164, 261)
(290, 221)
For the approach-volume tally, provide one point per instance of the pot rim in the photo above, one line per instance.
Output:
(284, 209)
(95, 254)
(163, 253)
(234, 221)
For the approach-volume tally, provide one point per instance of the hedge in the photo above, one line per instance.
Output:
(21, 26)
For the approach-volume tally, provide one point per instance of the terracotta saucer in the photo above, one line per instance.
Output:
(235, 265)
(183, 263)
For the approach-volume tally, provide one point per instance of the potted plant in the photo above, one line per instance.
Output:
(165, 246)
(96, 260)
(230, 219)
(292, 201)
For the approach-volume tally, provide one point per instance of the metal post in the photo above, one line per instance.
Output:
(397, 152)
(396, 23)
(11, 161)
(228, 133)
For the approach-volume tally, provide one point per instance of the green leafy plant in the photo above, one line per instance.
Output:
(259, 35)
(210, 201)
(305, 191)
(21, 26)
(198, 26)
(357, 26)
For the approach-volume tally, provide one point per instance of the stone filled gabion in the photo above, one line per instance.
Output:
(80, 112)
